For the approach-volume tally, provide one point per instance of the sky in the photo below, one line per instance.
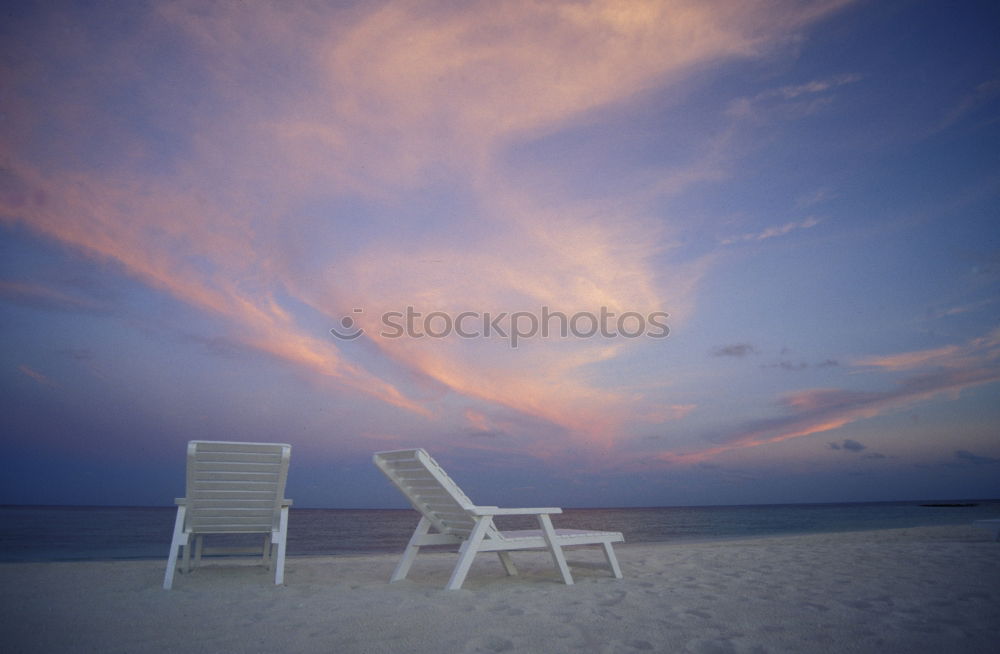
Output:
(762, 238)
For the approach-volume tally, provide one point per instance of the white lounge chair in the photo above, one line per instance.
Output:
(233, 488)
(993, 524)
(457, 521)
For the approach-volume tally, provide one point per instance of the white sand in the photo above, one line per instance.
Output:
(909, 590)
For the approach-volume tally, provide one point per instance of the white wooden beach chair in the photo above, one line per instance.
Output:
(457, 521)
(233, 488)
(993, 524)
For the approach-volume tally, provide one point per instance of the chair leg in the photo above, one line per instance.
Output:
(508, 563)
(280, 539)
(609, 555)
(468, 551)
(179, 539)
(199, 549)
(410, 553)
(554, 548)
(266, 558)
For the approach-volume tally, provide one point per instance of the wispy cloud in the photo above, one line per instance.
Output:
(815, 86)
(802, 365)
(738, 350)
(945, 371)
(847, 444)
(196, 252)
(819, 196)
(773, 232)
(660, 414)
(35, 375)
(960, 308)
(966, 456)
(42, 296)
(984, 94)
(977, 352)
(792, 101)
(300, 115)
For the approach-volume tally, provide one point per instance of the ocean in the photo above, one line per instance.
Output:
(48, 533)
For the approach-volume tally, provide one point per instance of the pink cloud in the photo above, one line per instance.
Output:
(207, 262)
(948, 356)
(34, 374)
(379, 102)
(948, 371)
(40, 294)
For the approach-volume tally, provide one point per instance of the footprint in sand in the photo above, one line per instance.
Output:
(617, 598)
(489, 644)
(699, 614)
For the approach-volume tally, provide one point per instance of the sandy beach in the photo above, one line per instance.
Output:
(915, 590)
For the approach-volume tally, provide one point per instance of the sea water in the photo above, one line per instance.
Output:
(44, 533)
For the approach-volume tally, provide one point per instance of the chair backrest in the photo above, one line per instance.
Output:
(430, 490)
(235, 487)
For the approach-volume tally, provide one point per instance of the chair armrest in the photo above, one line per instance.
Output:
(492, 510)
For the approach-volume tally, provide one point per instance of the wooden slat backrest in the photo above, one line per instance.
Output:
(235, 487)
(430, 490)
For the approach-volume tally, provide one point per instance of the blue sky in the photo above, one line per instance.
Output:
(192, 195)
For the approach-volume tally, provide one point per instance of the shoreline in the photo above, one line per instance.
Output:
(675, 540)
(920, 589)
(128, 533)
